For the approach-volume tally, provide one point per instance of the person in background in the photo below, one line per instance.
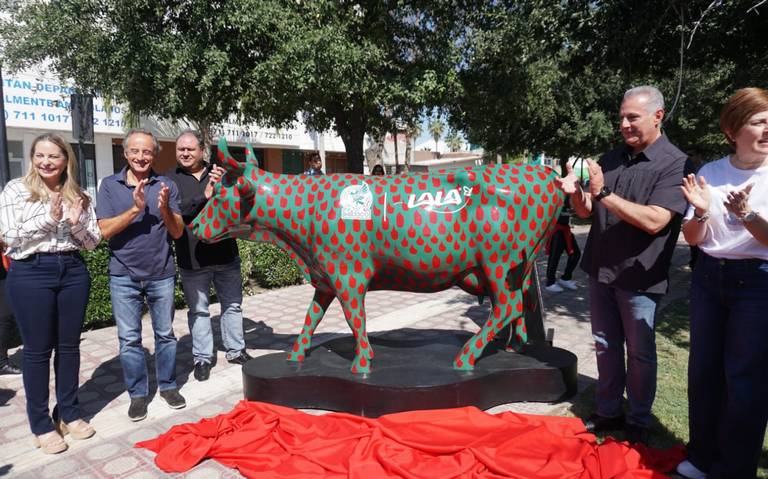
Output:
(727, 374)
(562, 240)
(45, 219)
(636, 206)
(6, 323)
(315, 165)
(377, 170)
(202, 263)
(138, 212)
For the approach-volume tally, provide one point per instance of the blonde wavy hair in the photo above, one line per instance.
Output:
(68, 186)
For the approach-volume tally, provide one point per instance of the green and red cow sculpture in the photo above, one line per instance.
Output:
(477, 228)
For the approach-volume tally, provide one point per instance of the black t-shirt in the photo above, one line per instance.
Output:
(620, 254)
(191, 253)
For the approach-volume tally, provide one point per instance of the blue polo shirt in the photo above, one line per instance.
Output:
(142, 250)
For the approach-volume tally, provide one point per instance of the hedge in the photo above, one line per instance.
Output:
(264, 264)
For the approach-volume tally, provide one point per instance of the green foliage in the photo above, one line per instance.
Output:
(268, 265)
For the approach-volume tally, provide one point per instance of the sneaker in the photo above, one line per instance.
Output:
(138, 408)
(687, 469)
(202, 371)
(173, 398)
(554, 288)
(241, 358)
(568, 284)
(7, 367)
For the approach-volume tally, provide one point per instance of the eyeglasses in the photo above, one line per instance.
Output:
(136, 152)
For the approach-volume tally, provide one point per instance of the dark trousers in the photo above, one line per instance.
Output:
(556, 249)
(728, 366)
(6, 323)
(48, 295)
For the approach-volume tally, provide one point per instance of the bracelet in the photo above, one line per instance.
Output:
(701, 218)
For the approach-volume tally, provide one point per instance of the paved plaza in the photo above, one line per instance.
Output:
(272, 320)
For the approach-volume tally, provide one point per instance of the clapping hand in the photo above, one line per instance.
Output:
(737, 201)
(74, 211)
(214, 176)
(138, 195)
(696, 193)
(596, 179)
(162, 197)
(568, 183)
(57, 207)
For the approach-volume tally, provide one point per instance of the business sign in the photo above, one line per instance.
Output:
(31, 102)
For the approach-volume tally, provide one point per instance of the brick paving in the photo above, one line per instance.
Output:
(272, 320)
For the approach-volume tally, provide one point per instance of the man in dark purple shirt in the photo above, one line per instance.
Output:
(636, 204)
(138, 212)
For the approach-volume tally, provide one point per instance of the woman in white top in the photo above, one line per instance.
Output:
(45, 219)
(728, 365)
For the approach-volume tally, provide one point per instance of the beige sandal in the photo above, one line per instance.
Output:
(50, 442)
(78, 429)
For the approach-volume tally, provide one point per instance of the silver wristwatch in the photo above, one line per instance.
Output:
(749, 217)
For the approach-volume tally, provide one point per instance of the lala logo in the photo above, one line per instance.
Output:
(455, 197)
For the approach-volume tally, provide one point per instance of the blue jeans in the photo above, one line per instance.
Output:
(728, 365)
(618, 317)
(48, 294)
(127, 302)
(229, 289)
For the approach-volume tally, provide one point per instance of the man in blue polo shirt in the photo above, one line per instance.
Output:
(138, 212)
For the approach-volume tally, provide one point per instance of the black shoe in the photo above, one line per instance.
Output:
(241, 358)
(7, 367)
(173, 398)
(636, 434)
(598, 423)
(138, 408)
(202, 371)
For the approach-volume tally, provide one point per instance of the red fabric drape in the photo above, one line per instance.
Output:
(267, 441)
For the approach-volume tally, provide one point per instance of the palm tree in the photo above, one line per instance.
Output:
(412, 132)
(453, 140)
(436, 129)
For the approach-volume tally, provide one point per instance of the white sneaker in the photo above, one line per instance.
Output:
(568, 284)
(554, 288)
(686, 469)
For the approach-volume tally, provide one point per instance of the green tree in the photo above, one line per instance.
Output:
(436, 128)
(453, 140)
(340, 64)
(412, 131)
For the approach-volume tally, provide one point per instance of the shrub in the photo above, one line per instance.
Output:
(268, 265)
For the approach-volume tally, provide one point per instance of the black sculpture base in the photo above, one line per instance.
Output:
(410, 374)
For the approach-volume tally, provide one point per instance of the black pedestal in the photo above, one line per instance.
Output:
(410, 374)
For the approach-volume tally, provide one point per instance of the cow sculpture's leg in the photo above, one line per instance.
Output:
(506, 303)
(518, 334)
(353, 305)
(315, 313)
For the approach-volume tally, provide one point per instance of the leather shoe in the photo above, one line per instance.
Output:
(598, 423)
(7, 367)
(241, 358)
(202, 371)
(635, 434)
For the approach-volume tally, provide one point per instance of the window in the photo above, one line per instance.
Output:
(16, 158)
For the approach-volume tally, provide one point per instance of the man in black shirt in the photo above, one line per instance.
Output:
(200, 263)
(636, 204)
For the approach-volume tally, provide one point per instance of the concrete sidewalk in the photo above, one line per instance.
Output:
(272, 320)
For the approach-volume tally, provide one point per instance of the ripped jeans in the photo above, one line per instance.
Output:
(622, 317)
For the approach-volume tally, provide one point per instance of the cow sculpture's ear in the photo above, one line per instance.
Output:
(233, 167)
(249, 156)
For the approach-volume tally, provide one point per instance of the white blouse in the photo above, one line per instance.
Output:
(27, 227)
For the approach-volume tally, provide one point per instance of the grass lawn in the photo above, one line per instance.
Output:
(670, 409)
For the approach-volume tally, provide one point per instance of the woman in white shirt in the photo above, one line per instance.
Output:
(45, 219)
(728, 365)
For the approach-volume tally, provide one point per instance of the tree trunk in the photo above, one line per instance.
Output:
(351, 128)
(397, 159)
(408, 152)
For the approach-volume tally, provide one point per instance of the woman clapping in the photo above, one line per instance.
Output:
(728, 365)
(45, 219)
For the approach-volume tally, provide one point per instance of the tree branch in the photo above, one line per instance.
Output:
(698, 22)
(755, 6)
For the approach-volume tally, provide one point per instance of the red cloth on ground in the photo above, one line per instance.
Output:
(267, 441)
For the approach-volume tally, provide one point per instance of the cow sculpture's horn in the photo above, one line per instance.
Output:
(249, 156)
(233, 167)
